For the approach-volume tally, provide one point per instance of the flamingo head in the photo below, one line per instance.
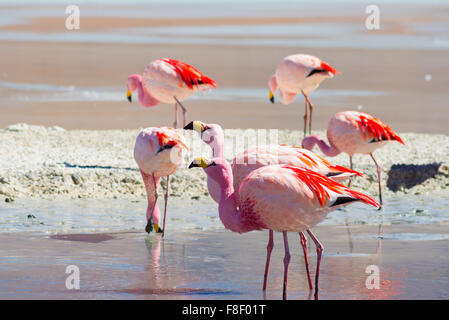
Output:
(217, 169)
(211, 134)
(132, 83)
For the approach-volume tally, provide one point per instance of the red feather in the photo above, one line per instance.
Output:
(327, 67)
(377, 128)
(189, 75)
(312, 162)
(318, 183)
(163, 138)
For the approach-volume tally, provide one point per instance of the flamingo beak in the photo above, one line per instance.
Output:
(150, 226)
(129, 95)
(198, 126)
(201, 163)
(271, 96)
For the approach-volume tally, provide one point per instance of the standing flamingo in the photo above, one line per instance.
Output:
(158, 153)
(299, 73)
(259, 156)
(169, 81)
(354, 132)
(280, 198)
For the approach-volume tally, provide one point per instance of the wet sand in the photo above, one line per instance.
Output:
(402, 96)
(222, 265)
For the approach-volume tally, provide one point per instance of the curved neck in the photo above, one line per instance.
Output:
(310, 141)
(150, 184)
(215, 139)
(227, 207)
(145, 98)
(218, 147)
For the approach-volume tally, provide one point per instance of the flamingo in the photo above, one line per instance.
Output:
(281, 198)
(168, 81)
(354, 132)
(158, 153)
(249, 160)
(299, 73)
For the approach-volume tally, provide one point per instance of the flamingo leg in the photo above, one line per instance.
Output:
(303, 240)
(270, 246)
(306, 115)
(184, 111)
(149, 226)
(286, 263)
(379, 178)
(350, 166)
(165, 205)
(175, 123)
(319, 252)
(310, 105)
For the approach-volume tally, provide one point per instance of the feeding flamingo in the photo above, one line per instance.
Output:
(158, 153)
(168, 81)
(280, 198)
(249, 160)
(354, 132)
(299, 73)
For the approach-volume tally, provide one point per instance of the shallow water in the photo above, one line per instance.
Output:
(74, 216)
(42, 92)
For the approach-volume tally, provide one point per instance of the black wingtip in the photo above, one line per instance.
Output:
(343, 200)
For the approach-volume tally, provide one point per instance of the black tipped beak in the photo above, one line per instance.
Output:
(189, 126)
(272, 99)
(149, 226)
(130, 98)
(193, 165)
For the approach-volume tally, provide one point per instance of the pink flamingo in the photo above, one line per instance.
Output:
(158, 153)
(169, 81)
(249, 160)
(354, 132)
(258, 156)
(299, 73)
(280, 198)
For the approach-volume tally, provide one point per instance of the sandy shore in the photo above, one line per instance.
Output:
(50, 163)
(390, 82)
(208, 265)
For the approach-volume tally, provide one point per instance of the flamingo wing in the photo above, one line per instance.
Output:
(376, 128)
(189, 75)
(289, 198)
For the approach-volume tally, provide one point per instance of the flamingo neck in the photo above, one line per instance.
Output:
(215, 139)
(145, 98)
(227, 208)
(149, 187)
(310, 141)
(218, 148)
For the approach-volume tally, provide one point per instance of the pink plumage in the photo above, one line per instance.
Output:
(259, 156)
(354, 132)
(168, 81)
(281, 198)
(158, 153)
(299, 73)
